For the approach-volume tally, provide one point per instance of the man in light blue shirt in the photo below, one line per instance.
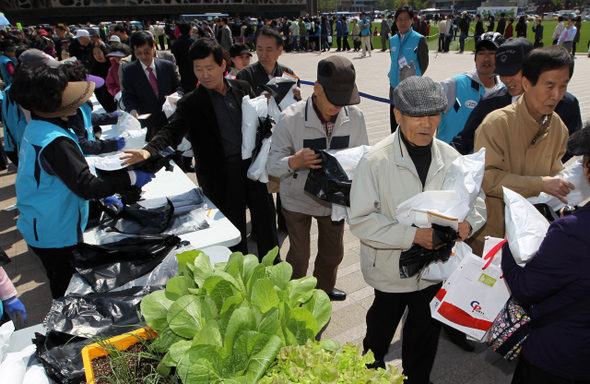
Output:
(365, 34)
(568, 35)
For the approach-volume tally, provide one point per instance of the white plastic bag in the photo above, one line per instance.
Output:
(257, 170)
(273, 109)
(574, 173)
(252, 109)
(432, 207)
(441, 271)
(452, 204)
(525, 226)
(6, 331)
(349, 158)
(465, 176)
(127, 122)
(14, 365)
(134, 139)
(169, 106)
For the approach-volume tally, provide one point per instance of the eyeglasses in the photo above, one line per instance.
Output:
(403, 20)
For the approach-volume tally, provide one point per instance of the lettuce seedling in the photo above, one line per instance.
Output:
(320, 362)
(227, 323)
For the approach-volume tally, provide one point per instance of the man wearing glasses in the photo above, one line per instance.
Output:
(409, 53)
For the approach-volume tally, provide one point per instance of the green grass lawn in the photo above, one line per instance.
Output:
(582, 46)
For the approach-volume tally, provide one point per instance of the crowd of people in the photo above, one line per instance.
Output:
(514, 103)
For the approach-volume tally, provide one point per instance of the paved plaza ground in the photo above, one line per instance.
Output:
(452, 365)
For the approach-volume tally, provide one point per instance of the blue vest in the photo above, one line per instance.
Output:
(365, 31)
(5, 76)
(467, 95)
(87, 113)
(409, 49)
(14, 123)
(51, 215)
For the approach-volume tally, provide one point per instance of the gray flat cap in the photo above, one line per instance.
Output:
(419, 96)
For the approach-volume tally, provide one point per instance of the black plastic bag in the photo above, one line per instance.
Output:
(4, 259)
(110, 266)
(156, 162)
(107, 314)
(264, 131)
(137, 220)
(414, 259)
(60, 354)
(547, 212)
(330, 182)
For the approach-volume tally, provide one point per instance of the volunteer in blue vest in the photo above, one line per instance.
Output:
(14, 117)
(8, 60)
(84, 121)
(464, 91)
(409, 54)
(54, 183)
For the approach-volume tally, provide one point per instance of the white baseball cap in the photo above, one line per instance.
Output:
(81, 33)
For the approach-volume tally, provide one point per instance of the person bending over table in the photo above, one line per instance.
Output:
(212, 116)
(54, 183)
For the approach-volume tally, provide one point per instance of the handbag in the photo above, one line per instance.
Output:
(513, 324)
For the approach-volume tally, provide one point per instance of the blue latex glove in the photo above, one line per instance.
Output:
(142, 177)
(120, 142)
(16, 311)
(113, 203)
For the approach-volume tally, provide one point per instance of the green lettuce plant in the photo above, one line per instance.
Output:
(226, 324)
(314, 363)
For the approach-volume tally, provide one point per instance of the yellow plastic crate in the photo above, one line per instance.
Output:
(121, 342)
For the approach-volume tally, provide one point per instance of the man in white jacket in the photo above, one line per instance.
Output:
(326, 120)
(399, 167)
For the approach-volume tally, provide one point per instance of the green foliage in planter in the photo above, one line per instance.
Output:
(315, 363)
(227, 324)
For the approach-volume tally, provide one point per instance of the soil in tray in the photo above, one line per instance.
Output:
(129, 367)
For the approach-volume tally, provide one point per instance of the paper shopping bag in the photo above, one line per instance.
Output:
(472, 296)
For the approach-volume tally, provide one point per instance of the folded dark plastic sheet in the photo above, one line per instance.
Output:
(110, 266)
(107, 314)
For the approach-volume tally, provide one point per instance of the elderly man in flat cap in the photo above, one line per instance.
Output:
(406, 163)
(328, 119)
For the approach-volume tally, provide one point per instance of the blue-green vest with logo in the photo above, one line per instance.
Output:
(409, 49)
(14, 122)
(51, 215)
(87, 114)
(467, 95)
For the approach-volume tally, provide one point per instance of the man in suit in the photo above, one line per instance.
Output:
(147, 81)
(212, 117)
(501, 23)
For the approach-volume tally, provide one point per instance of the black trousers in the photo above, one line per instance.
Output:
(254, 195)
(392, 121)
(345, 40)
(526, 373)
(58, 267)
(419, 335)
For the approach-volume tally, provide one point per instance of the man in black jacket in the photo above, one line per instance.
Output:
(509, 57)
(185, 65)
(212, 117)
(479, 30)
(501, 23)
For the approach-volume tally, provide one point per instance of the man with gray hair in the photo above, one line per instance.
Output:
(413, 158)
(328, 119)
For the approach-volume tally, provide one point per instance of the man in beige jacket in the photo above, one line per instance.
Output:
(526, 140)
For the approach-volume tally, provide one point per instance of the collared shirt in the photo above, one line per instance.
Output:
(229, 119)
(146, 72)
(327, 124)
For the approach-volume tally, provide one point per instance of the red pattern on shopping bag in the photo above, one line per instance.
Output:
(462, 318)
